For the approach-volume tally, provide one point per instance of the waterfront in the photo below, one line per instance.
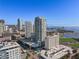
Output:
(71, 35)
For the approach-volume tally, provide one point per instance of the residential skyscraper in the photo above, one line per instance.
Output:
(28, 29)
(2, 26)
(19, 24)
(40, 28)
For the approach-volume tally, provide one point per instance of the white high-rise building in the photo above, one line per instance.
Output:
(28, 29)
(40, 28)
(6, 28)
(10, 50)
(2, 25)
(10, 30)
(19, 24)
(52, 41)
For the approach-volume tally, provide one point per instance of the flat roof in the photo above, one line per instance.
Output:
(32, 44)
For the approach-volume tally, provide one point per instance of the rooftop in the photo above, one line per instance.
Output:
(32, 44)
(56, 52)
(7, 45)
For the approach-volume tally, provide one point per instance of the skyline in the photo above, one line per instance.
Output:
(56, 12)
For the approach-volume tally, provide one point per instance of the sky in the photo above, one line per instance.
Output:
(56, 12)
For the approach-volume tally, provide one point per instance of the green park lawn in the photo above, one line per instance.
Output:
(75, 45)
(66, 40)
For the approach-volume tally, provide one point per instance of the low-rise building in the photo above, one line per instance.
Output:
(56, 52)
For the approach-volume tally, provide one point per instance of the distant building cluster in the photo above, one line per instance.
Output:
(17, 40)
